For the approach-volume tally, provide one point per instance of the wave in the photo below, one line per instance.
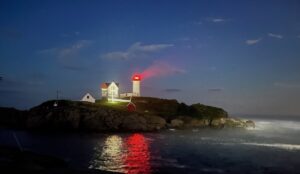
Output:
(212, 170)
(276, 124)
(276, 145)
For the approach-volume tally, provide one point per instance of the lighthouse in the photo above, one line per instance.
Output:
(136, 82)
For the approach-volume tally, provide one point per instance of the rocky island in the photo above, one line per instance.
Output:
(151, 114)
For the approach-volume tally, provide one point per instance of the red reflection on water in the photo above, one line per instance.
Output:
(138, 156)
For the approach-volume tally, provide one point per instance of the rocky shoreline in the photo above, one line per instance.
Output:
(187, 123)
(152, 114)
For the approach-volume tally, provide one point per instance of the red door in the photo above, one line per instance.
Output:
(131, 107)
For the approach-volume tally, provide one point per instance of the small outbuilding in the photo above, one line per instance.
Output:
(88, 98)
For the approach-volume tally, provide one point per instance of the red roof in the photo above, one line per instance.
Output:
(105, 85)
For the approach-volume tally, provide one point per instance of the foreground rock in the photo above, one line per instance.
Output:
(12, 160)
(11, 117)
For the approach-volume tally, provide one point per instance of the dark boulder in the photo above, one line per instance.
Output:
(177, 123)
(12, 118)
(155, 122)
(134, 122)
(250, 124)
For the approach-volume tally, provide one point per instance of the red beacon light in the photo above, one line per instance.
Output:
(136, 77)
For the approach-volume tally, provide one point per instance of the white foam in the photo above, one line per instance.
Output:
(276, 124)
(276, 145)
(195, 130)
(212, 170)
(295, 125)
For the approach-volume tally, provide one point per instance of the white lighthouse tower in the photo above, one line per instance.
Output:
(136, 82)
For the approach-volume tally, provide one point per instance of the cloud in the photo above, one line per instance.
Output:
(10, 85)
(11, 82)
(184, 39)
(10, 91)
(215, 89)
(49, 51)
(136, 50)
(211, 20)
(118, 55)
(149, 48)
(68, 56)
(188, 46)
(32, 79)
(277, 36)
(212, 68)
(74, 68)
(198, 23)
(71, 34)
(160, 69)
(217, 20)
(287, 85)
(172, 90)
(36, 78)
(253, 41)
(70, 50)
(73, 49)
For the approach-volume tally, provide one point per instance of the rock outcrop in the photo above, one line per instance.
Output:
(11, 117)
(232, 123)
(90, 117)
(177, 123)
(151, 114)
(250, 124)
(189, 122)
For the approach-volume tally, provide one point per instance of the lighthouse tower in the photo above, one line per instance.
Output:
(136, 81)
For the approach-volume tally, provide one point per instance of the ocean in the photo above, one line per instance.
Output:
(273, 146)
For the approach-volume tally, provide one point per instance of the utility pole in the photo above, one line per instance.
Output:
(56, 102)
(57, 92)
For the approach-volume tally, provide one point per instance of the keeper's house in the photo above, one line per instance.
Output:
(110, 90)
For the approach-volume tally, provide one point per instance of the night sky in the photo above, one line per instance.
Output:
(243, 56)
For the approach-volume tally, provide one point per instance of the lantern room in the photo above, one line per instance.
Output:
(136, 77)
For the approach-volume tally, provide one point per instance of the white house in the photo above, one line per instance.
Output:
(110, 90)
(88, 98)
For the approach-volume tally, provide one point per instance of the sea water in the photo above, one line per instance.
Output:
(273, 146)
